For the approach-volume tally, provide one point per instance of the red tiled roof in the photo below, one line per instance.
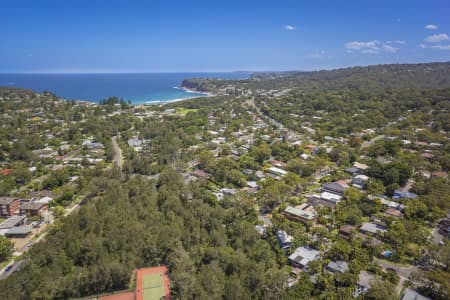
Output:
(5, 172)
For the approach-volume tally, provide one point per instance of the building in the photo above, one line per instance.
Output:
(392, 212)
(200, 174)
(338, 266)
(9, 206)
(334, 188)
(410, 294)
(346, 231)
(302, 256)
(284, 239)
(33, 209)
(364, 283)
(404, 195)
(372, 228)
(18, 232)
(277, 171)
(324, 199)
(13, 221)
(303, 213)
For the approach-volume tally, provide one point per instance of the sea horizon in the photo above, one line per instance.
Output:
(138, 88)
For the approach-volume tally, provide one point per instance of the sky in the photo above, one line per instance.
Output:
(198, 36)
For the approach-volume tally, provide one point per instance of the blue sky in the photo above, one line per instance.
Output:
(179, 36)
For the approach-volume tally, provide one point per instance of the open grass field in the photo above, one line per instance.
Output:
(184, 111)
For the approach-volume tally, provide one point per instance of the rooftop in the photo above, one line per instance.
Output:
(11, 222)
(6, 200)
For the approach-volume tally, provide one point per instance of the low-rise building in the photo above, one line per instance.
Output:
(302, 256)
(334, 188)
(284, 239)
(338, 266)
(9, 206)
(33, 209)
(303, 213)
(372, 228)
(410, 294)
(13, 221)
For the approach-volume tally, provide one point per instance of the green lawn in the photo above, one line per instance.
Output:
(153, 286)
(185, 111)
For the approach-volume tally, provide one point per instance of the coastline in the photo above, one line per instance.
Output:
(162, 102)
(193, 91)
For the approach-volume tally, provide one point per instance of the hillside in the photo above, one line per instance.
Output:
(395, 76)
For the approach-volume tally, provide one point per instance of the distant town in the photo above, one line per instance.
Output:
(279, 193)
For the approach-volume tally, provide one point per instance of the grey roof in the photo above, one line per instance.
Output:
(32, 205)
(334, 186)
(364, 279)
(304, 255)
(410, 294)
(372, 227)
(6, 200)
(284, 238)
(19, 230)
(135, 142)
(338, 266)
(11, 222)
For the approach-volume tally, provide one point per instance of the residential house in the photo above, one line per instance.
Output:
(372, 228)
(261, 229)
(364, 283)
(359, 181)
(200, 174)
(392, 212)
(338, 266)
(324, 199)
(277, 171)
(13, 221)
(346, 231)
(18, 232)
(404, 195)
(361, 167)
(334, 188)
(410, 294)
(302, 256)
(9, 206)
(284, 239)
(227, 191)
(303, 213)
(33, 209)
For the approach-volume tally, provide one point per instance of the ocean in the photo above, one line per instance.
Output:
(138, 88)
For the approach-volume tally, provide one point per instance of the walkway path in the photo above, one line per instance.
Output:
(118, 158)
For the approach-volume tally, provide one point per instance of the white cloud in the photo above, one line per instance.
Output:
(389, 49)
(431, 27)
(289, 27)
(364, 47)
(439, 47)
(400, 42)
(436, 38)
(371, 47)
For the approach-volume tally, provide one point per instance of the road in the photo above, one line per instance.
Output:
(280, 126)
(118, 159)
(372, 141)
(14, 267)
(404, 272)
